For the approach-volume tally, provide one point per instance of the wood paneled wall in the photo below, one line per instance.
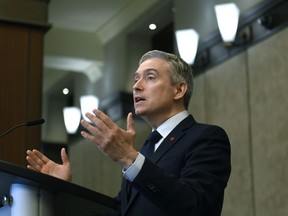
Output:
(21, 54)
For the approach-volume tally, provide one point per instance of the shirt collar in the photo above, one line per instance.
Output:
(166, 127)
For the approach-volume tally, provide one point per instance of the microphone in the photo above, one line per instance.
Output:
(35, 122)
(28, 124)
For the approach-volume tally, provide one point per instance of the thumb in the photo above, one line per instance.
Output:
(64, 156)
(130, 123)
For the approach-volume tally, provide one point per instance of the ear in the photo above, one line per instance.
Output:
(180, 90)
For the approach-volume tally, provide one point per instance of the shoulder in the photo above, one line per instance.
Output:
(189, 123)
(197, 132)
(208, 128)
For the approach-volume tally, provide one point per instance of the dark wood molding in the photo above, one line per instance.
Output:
(21, 66)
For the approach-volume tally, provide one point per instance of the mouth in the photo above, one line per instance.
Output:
(138, 99)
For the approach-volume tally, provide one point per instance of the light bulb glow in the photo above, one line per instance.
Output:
(72, 116)
(65, 91)
(187, 42)
(152, 26)
(88, 103)
(227, 18)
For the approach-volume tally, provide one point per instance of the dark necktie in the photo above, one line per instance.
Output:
(149, 145)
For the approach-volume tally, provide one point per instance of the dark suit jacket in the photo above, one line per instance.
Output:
(186, 175)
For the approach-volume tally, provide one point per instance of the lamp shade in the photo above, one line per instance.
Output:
(227, 18)
(187, 43)
(72, 116)
(88, 103)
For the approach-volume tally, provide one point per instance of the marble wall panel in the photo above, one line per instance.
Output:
(91, 169)
(197, 102)
(226, 105)
(268, 70)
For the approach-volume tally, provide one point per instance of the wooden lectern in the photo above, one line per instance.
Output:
(54, 197)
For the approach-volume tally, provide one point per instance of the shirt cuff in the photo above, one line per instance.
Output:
(132, 171)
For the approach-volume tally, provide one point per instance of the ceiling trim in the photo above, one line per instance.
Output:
(92, 69)
(133, 10)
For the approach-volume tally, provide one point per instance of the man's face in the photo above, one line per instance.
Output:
(152, 91)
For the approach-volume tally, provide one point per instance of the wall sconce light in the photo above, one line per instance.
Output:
(72, 116)
(187, 43)
(227, 18)
(88, 103)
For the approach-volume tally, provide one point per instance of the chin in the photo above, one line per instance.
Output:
(139, 112)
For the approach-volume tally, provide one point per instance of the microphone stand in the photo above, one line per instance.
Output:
(11, 129)
(28, 124)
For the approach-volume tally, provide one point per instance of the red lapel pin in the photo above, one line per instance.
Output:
(172, 138)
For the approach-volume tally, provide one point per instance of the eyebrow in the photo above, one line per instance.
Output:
(145, 72)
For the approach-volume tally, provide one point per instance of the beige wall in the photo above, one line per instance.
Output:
(247, 96)
(268, 65)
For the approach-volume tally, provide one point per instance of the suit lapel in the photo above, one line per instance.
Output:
(173, 137)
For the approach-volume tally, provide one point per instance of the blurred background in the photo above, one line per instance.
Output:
(92, 48)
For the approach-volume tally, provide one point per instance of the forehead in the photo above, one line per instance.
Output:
(153, 64)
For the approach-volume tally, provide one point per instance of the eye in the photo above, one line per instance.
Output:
(135, 78)
(150, 77)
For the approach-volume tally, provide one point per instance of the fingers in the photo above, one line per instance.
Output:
(88, 136)
(101, 120)
(95, 133)
(105, 119)
(64, 156)
(130, 123)
(36, 160)
(101, 128)
(32, 160)
(41, 156)
(92, 128)
(30, 167)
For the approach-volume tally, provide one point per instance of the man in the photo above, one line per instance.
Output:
(190, 167)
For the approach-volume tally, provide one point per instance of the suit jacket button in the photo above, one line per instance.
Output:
(151, 186)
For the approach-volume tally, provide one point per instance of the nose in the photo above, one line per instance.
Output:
(138, 85)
